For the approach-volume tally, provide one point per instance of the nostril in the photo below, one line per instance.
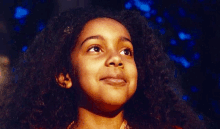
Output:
(112, 63)
(115, 64)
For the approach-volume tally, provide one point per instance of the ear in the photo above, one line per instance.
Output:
(64, 80)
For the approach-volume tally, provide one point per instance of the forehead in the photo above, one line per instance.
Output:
(103, 25)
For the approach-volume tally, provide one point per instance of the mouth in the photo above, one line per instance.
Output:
(114, 80)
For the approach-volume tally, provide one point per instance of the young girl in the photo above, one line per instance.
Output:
(95, 69)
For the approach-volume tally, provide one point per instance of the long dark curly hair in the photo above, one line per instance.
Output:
(35, 100)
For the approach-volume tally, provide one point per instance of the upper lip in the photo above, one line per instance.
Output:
(114, 76)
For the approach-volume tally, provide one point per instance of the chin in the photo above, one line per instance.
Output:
(111, 105)
(110, 108)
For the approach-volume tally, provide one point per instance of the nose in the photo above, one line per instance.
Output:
(114, 59)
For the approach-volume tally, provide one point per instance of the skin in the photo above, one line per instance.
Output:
(107, 74)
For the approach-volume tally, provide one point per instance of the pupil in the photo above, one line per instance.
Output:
(127, 52)
(96, 48)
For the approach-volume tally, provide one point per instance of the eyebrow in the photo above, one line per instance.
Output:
(122, 38)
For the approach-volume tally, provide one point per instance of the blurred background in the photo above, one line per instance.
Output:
(189, 29)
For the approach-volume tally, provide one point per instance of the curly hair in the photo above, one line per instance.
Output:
(35, 100)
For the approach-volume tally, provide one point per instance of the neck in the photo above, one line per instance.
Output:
(91, 120)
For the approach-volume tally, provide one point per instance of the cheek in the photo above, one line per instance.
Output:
(85, 79)
(133, 75)
(132, 70)
(87, 73)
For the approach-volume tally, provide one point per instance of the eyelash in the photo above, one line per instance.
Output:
(130, 51)
(95, 46)
(99, 50)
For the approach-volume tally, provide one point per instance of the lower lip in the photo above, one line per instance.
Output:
(114, 82)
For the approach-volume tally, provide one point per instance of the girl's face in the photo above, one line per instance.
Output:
(104, 61)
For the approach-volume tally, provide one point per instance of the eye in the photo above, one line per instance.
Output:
(95, 49)
(127, 52)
